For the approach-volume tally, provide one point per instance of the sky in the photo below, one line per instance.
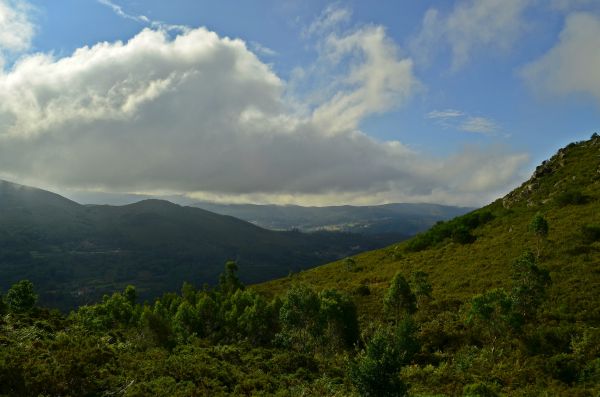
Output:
(293, 101)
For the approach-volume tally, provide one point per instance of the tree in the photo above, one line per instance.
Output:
(375, 371)
(539, 226)
(339, 313)
(399, 299)
(21, 297)
(229, 281)
(130, 294)
(248, 316)
(186, 321)
(350, 264)
(300, 316)
(208, 311)
(156, 319)
(492, 313)
(421, 286)
(188, 292)
(529, 285)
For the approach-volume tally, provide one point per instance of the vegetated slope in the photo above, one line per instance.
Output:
(474, 254)
(404, 218)
(565, 189)
(75, 253)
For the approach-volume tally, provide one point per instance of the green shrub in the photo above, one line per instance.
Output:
(590, 233)
(563, 367)
(362, 290)
(479, 390)
(571, 197)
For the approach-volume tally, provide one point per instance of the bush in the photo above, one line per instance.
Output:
(591, 233)
(479, 390)
(21, 297)
(563, 367)
(462, 235)
(571, 197)
(459, 229)
(362, 290)
(375, 371)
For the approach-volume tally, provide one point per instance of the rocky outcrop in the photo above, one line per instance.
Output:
(548, 167)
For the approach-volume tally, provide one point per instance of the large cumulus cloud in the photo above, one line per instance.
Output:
(200, 114)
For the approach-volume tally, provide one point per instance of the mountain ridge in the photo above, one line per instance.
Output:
(407, 218)
(64, 246)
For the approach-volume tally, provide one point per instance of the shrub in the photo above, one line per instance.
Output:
(21, 297)
(479, 390)
(462, 235)
(375, 371)
(362, 290)
(563, 367)
(571, 197)
(590, 233)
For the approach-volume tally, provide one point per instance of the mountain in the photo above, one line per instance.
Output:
(564, 189)
(471, 261)
(75, 253)
(407, 219)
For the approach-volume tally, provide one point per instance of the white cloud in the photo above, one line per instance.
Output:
(445, 114)
(472, 25)
(263, 50)
(142, 19)
(480, 125)
(573, 64)
(16, 28)
(331, 17)
(452, 118)
(575, 5)
(201, 115)
(378, 78)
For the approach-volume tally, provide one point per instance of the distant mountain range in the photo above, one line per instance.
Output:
(407, 219)
(74, 253)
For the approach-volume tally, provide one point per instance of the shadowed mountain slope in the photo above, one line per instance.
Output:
(74, 253)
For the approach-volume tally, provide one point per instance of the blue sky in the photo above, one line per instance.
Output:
(306, 102)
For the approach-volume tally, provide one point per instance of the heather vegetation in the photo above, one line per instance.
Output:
(502, 301)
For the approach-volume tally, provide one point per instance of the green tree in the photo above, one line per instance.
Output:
(157, 320)
(249, 317)
(376, 369)
(350, 264)
(186, 321)
(399, 300)
(188, 292)
(339, 312)
(539, 227)
(229, 281)
(208, 311)
(492, 314)
(421, 286)
(300, 316)
(130, 294)
(529, 285)
(21, 297)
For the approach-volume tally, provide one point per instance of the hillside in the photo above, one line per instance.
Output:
(75, 253)
(403, 218)
(503, 301)
(565, 189)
